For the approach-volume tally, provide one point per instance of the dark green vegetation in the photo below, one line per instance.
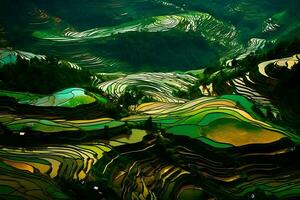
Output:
(177, 50)
(149, 99)
(146, 35)
(40, 76)
(282, 85)
(133, 96)
(193, 92)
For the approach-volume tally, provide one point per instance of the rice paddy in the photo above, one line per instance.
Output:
(199, 118)
(160, 86)
(169, 100)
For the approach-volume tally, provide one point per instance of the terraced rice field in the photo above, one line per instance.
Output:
(70, 97)
(191, 21)
(288, 63)
(55, 113)
(33, 168)
(253, 84)
(254, 44)
(65, 161)
(160, 86)
(8, 56)
(139, 171)
(213, 31)
(19, 184)
(237, 141)
(205, 118)
(15, 123)
(270, 26)
(211, 148)
(242, 86)
(195, 170)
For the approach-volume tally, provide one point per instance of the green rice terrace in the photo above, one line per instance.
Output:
(149, 99)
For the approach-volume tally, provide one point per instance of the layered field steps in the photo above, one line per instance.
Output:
(149, 100)
(200, 145)
(160, 86)
(104, 49)
(192, 21)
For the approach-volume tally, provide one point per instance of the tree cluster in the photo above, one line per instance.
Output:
(193, 92)
(40, 76)
(133, 96)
